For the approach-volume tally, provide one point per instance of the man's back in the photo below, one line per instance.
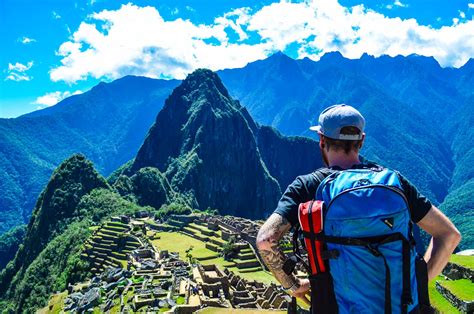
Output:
(341, 136)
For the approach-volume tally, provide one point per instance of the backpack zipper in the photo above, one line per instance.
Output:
(393, 189)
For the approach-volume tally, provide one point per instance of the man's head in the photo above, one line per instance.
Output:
(341, 132)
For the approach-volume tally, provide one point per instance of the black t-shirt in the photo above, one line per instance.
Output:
(303, 189)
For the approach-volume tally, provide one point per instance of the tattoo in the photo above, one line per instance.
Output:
(268, 237)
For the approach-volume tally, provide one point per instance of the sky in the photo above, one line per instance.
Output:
(53, 49)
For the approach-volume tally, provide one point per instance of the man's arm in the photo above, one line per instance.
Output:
(445, 238)
(268, 238)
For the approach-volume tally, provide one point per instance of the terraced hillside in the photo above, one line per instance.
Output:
(205, 243)
(453, 291)
(109, 246)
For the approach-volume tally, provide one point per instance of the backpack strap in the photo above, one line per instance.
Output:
(323, 181)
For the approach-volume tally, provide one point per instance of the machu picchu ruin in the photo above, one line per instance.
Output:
(144, 264)
(201, 263)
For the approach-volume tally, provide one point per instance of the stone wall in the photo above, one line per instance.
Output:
(455, 272)
(461, 305)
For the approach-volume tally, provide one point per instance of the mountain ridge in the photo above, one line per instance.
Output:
(406, 139)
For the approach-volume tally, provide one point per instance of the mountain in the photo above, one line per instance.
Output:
(418, 118)
(201, 152)
(107, 124)
(209, 148)
(289, 95)
(75, 198)
(418, 114)
(9, 243)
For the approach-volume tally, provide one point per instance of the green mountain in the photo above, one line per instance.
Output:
(215, 162)
(9, 243)
(202, 141)
(75, 198)
(107, 124)
(418, 121)
(419, 115)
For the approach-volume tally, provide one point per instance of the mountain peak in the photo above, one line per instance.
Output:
(201, 139)
(204, 80)
(332, 55)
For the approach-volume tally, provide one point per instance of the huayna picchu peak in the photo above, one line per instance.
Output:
(202, 140)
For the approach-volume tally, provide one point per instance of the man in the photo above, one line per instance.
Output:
(341, 135)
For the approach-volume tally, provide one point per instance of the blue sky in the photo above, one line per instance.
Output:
(56, 48)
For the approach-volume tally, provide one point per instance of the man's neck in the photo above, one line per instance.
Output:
(344, 161)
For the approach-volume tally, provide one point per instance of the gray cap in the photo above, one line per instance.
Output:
(334, 118)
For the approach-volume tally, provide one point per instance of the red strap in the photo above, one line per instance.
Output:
(310, 218)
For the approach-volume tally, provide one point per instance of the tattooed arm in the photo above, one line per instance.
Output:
(267, 242)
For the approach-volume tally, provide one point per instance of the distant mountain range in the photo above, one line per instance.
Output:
(419, 121)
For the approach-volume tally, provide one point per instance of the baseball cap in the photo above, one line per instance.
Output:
(334, 118)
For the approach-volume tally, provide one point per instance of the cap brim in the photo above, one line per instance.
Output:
(315, 128)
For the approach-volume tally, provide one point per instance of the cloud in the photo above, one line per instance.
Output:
(51, 99)
(26, 40)
(17, 72)
(138, 40)
(462, 14)
(398, 3)
(174, 11)
(55, 15)
(470, 5)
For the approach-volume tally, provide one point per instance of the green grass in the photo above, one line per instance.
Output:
(462, 288)
(178, 242)
(438, 301)
(180, 300)
(261, 275)
(55, 304)
(466, 261)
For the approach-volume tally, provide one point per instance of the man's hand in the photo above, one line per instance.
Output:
(445, 239)
(303, 291)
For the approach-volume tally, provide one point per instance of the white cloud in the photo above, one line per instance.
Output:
(51, 99)
(17, 72)
(470, 5)
(56, 15)
(462, 14)
(137, 40)
(174, 11)
(26, 40)
(398, 3)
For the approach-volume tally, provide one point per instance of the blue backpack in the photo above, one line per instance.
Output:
(361, 252)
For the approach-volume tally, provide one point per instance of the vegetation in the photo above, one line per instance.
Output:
(75, 199)
(107, 124)
(229, 249)
(9, 244)
(174, 208)
(459, 207)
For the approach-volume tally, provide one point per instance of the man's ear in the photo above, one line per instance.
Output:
(362, 141)
(322, 143)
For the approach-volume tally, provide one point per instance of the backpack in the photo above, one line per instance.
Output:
(361, 251)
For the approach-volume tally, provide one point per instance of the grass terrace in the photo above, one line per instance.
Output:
(462, 260)
(179, 242)
(462, 288)
(438, 301)
(109, 246)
